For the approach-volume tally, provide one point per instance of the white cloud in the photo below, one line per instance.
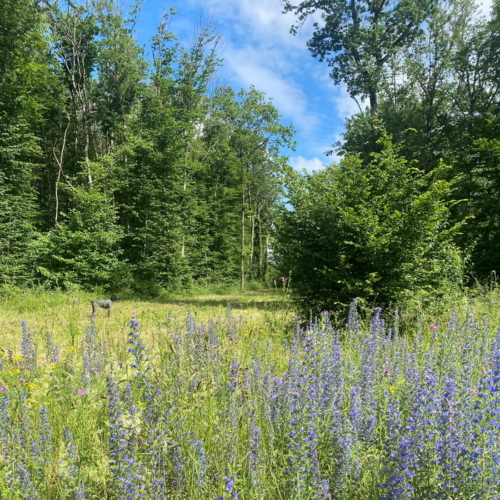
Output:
(345, 105)
(261, 51)
(485, 7)
(309, 165)
(262, 20)
(253, 67)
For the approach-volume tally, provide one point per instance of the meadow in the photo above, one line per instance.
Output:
(226, 396)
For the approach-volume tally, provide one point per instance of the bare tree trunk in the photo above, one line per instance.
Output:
(373, 103)
(261, 248)
(266, 256)
(242, 253)
(251, 248)
(59, 161)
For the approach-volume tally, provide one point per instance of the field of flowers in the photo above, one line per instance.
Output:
(208, 409)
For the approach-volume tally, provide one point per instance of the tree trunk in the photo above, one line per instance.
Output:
(261, 249)
(251, 248)
(242, 252)
(373, 103)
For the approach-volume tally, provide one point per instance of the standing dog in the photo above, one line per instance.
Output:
(105, 304)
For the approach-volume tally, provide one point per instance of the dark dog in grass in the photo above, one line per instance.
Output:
(105, 304)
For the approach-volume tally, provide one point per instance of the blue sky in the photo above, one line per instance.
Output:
(259, 50)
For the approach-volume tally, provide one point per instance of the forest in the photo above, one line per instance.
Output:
(369, 371)
(126, 171)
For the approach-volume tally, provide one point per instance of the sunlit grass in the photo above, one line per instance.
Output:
(66, 315)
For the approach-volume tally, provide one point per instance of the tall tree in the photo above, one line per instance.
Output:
(24, 76)
(75, 29)
(358, 38)
(255, 139)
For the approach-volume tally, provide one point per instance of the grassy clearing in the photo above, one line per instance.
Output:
(66, 316)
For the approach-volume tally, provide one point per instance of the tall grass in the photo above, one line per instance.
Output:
(219, 406)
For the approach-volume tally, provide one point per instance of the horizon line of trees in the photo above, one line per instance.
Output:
(122, 171)
(118, 170)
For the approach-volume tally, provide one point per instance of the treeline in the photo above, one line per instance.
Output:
(121, 167)
(413, 209)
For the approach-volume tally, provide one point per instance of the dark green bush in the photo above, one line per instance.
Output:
(378, 231)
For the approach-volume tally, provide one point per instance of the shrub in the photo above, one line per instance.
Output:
(380, 231)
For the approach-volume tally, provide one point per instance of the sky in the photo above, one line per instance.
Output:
(258, 49)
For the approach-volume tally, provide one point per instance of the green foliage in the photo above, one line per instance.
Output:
(440, 102)
(23, 77)
(357, 38)
(378, 231)
(84, 248)
(112, 164)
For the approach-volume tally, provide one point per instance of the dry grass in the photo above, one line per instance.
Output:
(65, 316)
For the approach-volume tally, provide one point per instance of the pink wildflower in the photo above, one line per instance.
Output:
(433, 327)
(22, 380)
(2, 389)
(81, 392)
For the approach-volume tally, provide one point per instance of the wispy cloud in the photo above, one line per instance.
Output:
(308, 164)
(260, 51)
(251, 67)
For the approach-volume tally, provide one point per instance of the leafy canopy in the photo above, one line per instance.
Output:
(379, 231)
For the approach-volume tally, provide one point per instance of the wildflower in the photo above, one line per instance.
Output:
(392, 389)
(2, 389)
(387, 373)
(283, 279)
(81, 392)
(22, 380)
(433, 327)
